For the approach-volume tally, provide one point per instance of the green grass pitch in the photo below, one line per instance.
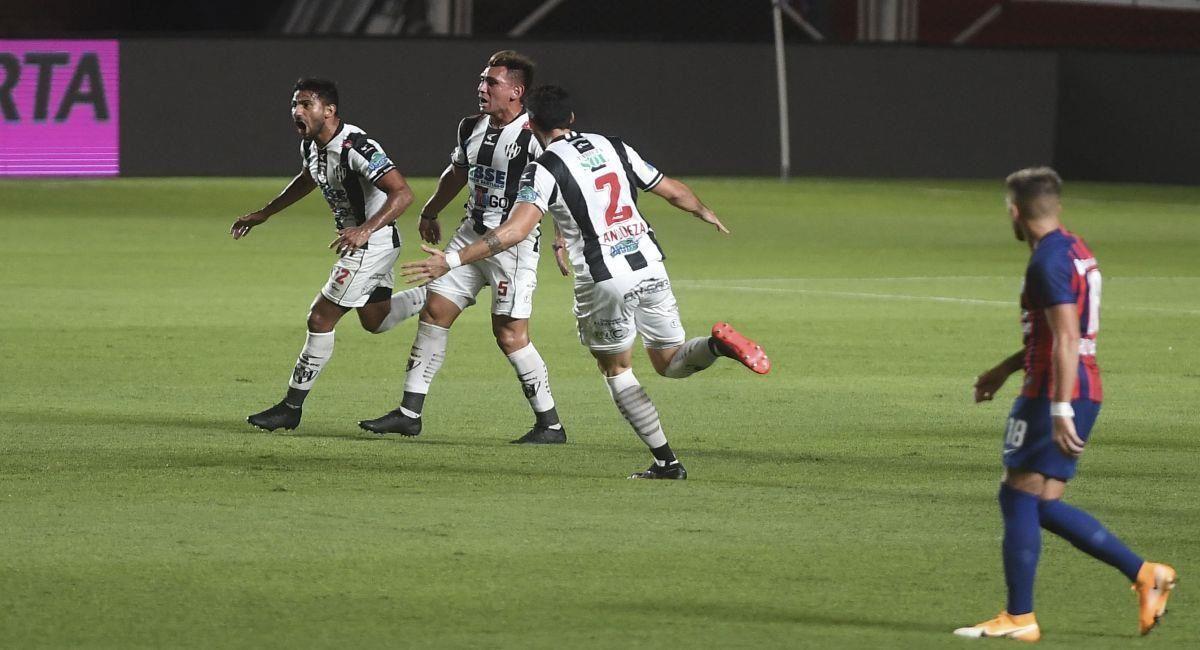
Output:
(845, 500)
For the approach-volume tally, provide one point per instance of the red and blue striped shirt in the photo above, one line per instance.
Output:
(1062, 270)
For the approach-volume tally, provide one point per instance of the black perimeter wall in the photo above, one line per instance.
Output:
(220, 107)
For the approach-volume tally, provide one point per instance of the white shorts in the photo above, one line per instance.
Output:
(512, 274)
(355, 276)
(610, 313)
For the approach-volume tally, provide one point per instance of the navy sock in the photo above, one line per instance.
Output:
(1089, 536)
(1022, 546)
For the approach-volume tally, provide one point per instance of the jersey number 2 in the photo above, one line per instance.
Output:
(613, 214)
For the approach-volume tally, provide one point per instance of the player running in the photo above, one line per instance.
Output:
(589, 183)
(1051, 419)
(493, 147)
(366, 193)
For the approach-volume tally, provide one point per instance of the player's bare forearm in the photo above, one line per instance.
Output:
(399, 197)
(450, 183)
(300, 186)
(398, 200)
(523, 219)
(987, 384)
(1064, 364)
(1011, 363)
(679, 195)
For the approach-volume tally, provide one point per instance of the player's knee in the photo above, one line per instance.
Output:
(319, 323)
(510, 341)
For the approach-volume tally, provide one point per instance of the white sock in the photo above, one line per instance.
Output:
(404, 305)
(318, 347)
(633, 402)
(693, 356)
(425, 359)
(534, 377)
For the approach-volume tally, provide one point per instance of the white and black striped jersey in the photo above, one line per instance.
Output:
(589, 183)
(494, 159)
(346, 170)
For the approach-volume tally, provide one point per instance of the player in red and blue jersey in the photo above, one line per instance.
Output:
(1052, 418)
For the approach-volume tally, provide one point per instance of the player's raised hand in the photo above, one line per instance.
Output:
(430, 229)
(242, 226)
(350, 239)
(987, 384)
(1066, 438)
(430, 268)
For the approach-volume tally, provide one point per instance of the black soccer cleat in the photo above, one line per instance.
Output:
(393, 422)
(280, 416)
(543, 436)
(673, 470)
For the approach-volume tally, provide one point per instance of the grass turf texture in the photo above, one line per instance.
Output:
(845, 500)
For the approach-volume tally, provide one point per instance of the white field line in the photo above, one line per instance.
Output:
(900, 296)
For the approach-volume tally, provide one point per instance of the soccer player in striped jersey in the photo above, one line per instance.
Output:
(366, 193)
(1053, 416)
(590, 184)
(493, 147)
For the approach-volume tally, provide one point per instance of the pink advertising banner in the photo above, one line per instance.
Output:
(59, 108)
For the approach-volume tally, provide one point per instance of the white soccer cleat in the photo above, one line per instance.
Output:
(1022, 627)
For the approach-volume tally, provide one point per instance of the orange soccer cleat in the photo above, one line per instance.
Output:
(736, 346)
(1153, 587)
(1022, 627)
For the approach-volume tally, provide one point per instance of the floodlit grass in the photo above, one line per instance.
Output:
(845, 500)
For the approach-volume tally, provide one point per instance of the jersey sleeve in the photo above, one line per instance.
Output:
(1051, 282)
(537, 187)
(367, 158)
(458, 157)
(645, 173)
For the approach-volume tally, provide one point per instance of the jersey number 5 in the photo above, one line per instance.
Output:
(613, 214)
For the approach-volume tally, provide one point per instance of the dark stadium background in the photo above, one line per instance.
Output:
(952, 88)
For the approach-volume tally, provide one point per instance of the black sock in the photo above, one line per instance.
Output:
(413, 402)
(664, 454)
(295, 397)
(715, 347)
(547, 418)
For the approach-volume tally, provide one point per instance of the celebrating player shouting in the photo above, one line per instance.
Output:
(493, 147)
(1051, 419)
(366, 193)
(589, 183)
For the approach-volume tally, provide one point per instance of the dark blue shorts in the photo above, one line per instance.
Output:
(1028, 444)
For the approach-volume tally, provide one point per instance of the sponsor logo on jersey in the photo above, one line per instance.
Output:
(488, 177)
(490, 139)
(623, 247)
(377, 161)
(528, 194)
(592, 161)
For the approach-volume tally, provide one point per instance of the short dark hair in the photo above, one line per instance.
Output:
(322, 88)
(515, 62)
(1031, 183)
(549, 108)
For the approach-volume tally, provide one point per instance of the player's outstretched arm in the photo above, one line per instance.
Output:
(681, 196)
(987, 384)
(450, 183)
(1064, 367)
(523, 219)
(399, 197)
(300, 186)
